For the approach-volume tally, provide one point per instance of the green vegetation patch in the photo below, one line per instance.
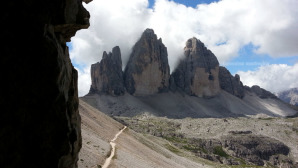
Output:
(176, 139)
(172, 149)
(217, 150)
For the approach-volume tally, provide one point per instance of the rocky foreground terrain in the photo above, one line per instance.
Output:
(149, 141)
(262, 141)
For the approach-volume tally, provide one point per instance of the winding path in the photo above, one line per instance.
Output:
(113, 145)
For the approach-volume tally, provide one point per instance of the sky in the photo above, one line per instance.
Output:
(256, 39)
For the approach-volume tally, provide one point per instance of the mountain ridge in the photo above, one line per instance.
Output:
(289, 96)
(198, 78)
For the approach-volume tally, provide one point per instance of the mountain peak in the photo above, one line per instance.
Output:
(107, 75)
(197, 73)
(147, 71)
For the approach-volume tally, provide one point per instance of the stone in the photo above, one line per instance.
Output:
(229, 83)
(107, 76)
(254, 148)
(289, 96)
(197, 73)
(147, 71)
(262, 93)
(40, 121)
(173, 86)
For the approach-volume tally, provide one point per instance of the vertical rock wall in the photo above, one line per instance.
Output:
(229, 83)
(197, 73)
(147, 71)
(40, 122)
(107, 76)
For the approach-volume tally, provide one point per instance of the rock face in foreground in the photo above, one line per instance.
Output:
(229, 83)
(147, 71)
(197, 73)
(40, 121)
(107, 76)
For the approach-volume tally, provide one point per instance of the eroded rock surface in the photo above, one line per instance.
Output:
(147, 71)
(238, 147)
(260, 92)
(197, 73)
(107, 75)
(254, 148)
(289, 96)
(229, 83)
(41, 125)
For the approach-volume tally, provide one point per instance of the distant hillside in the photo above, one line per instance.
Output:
(289, 96)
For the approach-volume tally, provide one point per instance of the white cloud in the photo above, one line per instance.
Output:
(224, 27)
(84, 81)
(275, 77)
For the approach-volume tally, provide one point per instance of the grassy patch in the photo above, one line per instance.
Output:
(176, 139)
(217, 150)
(172, 148)
(190, 147)
(194, 149)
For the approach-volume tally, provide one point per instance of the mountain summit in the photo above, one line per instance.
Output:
(107, 75)
(147, 71)
(197, 73)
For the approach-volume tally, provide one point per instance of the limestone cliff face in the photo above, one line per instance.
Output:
(40, 121)
(229, 83)
(197, 73)
(147, 71)
(107, 76)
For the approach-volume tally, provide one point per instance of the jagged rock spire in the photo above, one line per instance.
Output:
(197, 73)
(147, 71)
(107, 75)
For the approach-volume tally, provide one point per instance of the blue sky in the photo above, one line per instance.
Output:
(190, 3)
(256, 39)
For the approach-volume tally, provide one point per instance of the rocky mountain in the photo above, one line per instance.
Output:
(229, 83)
(197, 73)
(146, 85)
(147, 71)
(107, 75)
(289, 96)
